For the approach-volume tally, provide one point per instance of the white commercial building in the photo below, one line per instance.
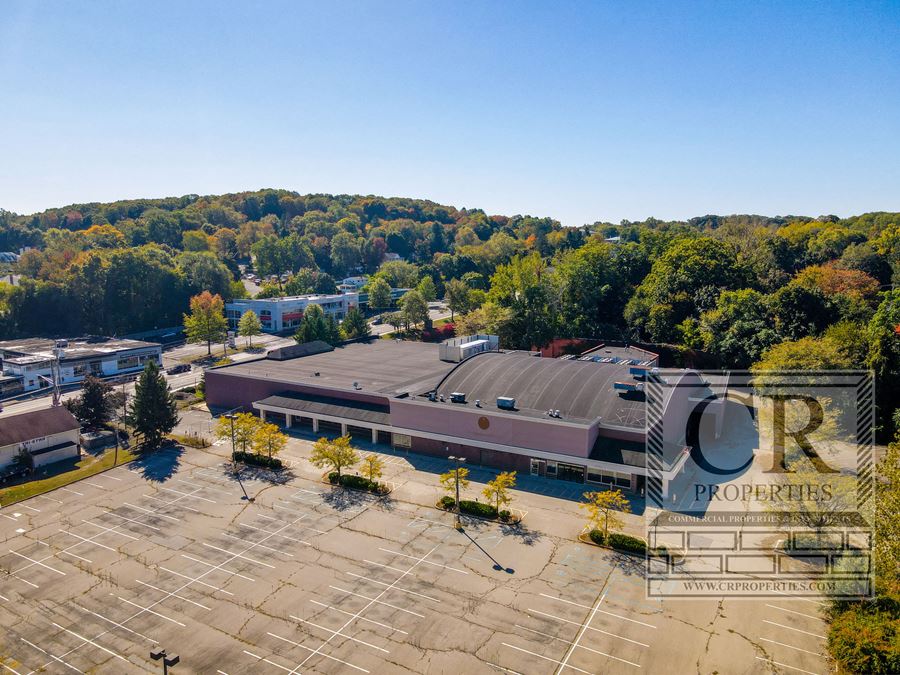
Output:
(38, 438)
(278, 314)
(33, 360)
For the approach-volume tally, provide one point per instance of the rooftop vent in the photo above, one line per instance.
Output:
(506, 403)
(457, 397)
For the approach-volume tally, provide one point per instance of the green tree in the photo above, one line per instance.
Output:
(268, 440)
(204, 272)
(94, 406)
(448, 481)
(355, 325)
(739, 329)
(194, 240)
(379, 294)
(244, 426)
(206, 322)
(336, 454)
(153, 412)
(592, 291)
(604, 508)
(373, 467)
(249, 325)
(427, 289)
(413, 308)
(457, 297)
(800, 311)
(497, 490)
(315, 325)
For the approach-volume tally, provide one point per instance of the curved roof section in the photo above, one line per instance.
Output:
(581, 391)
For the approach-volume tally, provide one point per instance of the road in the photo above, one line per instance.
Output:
(436, 311)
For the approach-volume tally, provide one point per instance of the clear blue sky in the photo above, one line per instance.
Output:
(583, 111)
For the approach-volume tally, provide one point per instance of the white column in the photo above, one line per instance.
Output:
(665, 487)
(343, 429)
(374, 435)
(290, 420)
(262, 415)
(315, 421)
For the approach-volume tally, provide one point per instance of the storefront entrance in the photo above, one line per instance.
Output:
(570, 472)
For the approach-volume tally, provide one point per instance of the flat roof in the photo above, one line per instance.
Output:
(388, 367)
(582, 391)
(328, 405)
(32, 350)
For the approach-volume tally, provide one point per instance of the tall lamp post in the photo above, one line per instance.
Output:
(458, 460)
(231, 417)
(167, 659)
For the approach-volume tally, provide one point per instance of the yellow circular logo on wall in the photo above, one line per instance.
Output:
(483, 422)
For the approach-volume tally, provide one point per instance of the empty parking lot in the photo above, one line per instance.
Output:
(168, 553)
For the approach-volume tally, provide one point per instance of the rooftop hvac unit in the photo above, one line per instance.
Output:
(506, 403)
(457, 397)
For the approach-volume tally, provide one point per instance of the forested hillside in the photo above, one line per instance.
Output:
(782, 292)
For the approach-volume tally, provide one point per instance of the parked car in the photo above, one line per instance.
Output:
(180, 368)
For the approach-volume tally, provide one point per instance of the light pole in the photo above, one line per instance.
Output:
(458, 460)
(231, 417)
(167, 659)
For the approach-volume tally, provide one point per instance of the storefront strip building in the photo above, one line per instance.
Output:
(578, 419)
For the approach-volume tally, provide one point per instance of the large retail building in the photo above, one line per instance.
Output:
(574, 418)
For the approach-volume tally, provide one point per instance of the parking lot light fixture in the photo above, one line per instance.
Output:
(167, 659)
(458, 460)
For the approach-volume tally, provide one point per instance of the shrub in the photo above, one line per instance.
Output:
(361, 483)
(477, 509)
(866, 639)
(624, 542)
(256, 460)
(334, 477)
(446, 502)
(597, 537)
(505, 516)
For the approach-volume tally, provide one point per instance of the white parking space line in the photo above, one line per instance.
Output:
(362, 618)
(133, 520)
(427, 562)
(546, 658)
(85, 540)
(784, 665)
(219, 568)
(265, 548)
(265, 660)
(92, 484)
(196, 581)
(568, 642)
(575, 623)
(52, 499)
(240, 555)
(174, 595)
(91, 642)
(265, 517)
(30, 508)
(65, 489)
(799, 597)
(151, 512)
(4, 598)
(314, 653)
(147, 609)
(34, 562)
(775, 642)
(44, 651)
(375, 600)
(601, 611)
(781, 625)
(194, 494)
(207, 487)
(392, 587)
(10, 669)
(116, 624)
(791, 611)
(69, 553)
(505, 670)
(282, 536)
(382, 565)
(337, 632)
(169, 503)
(111, 530)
